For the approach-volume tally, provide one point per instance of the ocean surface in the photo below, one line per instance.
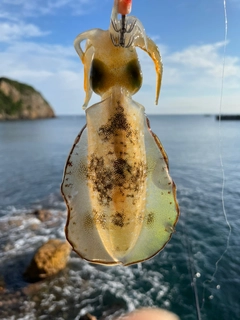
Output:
(183, 275)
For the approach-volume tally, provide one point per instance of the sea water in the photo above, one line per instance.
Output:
(32, 158)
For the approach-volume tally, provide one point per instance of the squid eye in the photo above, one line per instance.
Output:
(98, 76)
(135, 75)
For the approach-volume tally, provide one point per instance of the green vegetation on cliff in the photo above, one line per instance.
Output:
(21, 87)
(8, 106)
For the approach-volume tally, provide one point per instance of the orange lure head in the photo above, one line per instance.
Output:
(123, 6)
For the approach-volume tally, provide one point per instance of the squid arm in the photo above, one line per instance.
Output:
(154, 53)
(86, 58)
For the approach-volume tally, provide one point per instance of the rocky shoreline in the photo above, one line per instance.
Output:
(29, 280)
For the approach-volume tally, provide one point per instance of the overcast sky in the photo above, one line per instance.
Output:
(36, 47)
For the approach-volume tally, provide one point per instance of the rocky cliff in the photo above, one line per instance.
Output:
(21, 101)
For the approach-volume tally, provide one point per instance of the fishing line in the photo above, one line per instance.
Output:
(220, 147)
(191, 271)
(221, 156)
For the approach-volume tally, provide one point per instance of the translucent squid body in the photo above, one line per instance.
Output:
(121, 201)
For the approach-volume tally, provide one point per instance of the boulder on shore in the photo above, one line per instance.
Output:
(21, 101)
(49, 259)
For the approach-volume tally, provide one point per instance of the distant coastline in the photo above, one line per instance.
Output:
(19, 101)
(228, 117)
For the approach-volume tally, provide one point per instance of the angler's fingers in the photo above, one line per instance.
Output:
(150, 314)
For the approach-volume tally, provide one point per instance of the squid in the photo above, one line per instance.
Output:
(121, 200)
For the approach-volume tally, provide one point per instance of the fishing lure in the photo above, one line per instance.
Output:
(121, 201)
